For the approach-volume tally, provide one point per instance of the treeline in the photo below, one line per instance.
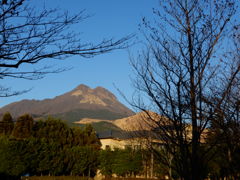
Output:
(49, 147)
(46, 147)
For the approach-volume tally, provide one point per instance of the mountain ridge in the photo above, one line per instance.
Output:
(79, 99)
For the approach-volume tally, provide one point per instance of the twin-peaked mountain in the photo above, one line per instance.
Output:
(81, 102)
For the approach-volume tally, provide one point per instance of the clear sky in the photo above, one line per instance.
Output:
(111, 18)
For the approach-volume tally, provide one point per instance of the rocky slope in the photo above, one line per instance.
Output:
(81, 102)
(137, 122)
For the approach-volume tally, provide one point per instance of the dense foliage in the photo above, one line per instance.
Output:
(6, 125)
(49, 147)
(46, 147)
(122, 162)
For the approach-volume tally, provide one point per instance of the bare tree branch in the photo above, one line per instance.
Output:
(28, 36)
(185, 73)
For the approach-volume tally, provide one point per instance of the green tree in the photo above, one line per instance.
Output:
(78, 136)
(90, 137)
(6, 125)
(127, 162)
(82, 161)
(106, 159)
(33, 155)
(52, 130)
(12, 162)
(51, 159)
(48, 147)
(62, 150)
(23, 126)
(45, 158)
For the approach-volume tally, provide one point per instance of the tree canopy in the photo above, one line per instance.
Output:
(47, 146)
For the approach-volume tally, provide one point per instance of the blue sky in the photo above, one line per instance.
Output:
(111, 18)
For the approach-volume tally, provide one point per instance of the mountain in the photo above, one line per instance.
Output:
(81, 102)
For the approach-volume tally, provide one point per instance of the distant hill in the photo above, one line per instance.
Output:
(137, 122)
(81, 102)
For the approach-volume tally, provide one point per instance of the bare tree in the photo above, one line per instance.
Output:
(225, 125)
(186, 74)
(28, 36)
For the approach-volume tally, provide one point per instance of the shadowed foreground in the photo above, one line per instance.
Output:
(73, 178)
(56, 178)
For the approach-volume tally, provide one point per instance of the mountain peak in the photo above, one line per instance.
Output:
(80, 90)
(83, 90)
(104, 93)
(82, 87)
(97, 95)
(100, 88)
(99, 101)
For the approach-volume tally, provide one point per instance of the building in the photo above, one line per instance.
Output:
(123, 139)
